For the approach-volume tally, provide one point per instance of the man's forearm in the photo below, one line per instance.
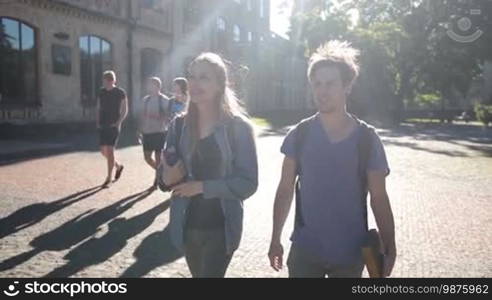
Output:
(384, 219)
(123, 113)
(281, 208)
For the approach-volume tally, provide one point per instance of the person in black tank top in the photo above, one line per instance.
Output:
(206, 214)
(112, 110)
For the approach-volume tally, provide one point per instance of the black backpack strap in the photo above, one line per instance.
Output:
(178, 131)
(170, 104)
(299, 141)
(146, 104)
(364, 148)
(300, 135)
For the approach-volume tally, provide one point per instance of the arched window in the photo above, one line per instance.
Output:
(237, 33)
(262, 8)
(18, 63)
(221, 35)
(95, 58)
(150, 65)
(221, 24)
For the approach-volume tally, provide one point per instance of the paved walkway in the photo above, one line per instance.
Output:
(53, 223)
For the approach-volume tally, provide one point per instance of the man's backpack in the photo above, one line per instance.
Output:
(364, 146)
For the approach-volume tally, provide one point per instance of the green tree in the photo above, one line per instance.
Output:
(406, 46)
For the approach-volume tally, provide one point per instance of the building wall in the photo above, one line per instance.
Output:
(60, 95)
(149, 40)
(171, 29)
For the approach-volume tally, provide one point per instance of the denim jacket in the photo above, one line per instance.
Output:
(239, 179)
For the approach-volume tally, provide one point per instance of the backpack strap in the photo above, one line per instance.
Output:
(178, 129)
(146, 104)
(300, 135)
(162, 112)
(299, 140)
(170, 105)
(160, 98)
(364, 148)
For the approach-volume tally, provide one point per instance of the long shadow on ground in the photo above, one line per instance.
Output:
(74, 231)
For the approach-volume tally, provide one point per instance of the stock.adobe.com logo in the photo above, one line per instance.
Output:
(12, 290)
(462, 29)
(71, 289)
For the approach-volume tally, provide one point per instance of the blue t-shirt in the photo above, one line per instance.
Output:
(176, 107)
(334, 223)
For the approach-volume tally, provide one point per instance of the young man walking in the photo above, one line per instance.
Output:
(336, 159)
(154, 119)
(112, 108)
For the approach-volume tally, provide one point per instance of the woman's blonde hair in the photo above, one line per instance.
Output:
(228, 103)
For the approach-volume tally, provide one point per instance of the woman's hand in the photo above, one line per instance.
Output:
(188, 189)
(172, 174)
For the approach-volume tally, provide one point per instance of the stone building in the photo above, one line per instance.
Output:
(53, 52)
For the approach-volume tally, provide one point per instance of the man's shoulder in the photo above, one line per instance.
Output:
(366, 125)
(301, 127)
(120, 91)
(368, 136)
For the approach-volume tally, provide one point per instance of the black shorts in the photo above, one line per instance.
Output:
(108, 136)
(154, 141)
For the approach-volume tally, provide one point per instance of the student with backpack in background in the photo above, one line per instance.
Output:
(332, 160)
(180, 97)
(154, 118)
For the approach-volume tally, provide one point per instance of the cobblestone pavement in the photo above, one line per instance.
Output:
(53, 223)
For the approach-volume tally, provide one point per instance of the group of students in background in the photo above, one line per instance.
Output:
(202, 146)
(155, 113)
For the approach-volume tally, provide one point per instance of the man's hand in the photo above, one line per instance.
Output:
(188, 189)
(281, 207)
(117, 125)
(389, 261)
(275, 254)
(383, 215)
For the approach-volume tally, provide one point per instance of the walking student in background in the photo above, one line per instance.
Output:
(218, 167)
(336, 160)
(112, 109)
(180, 97)
(154, 119)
